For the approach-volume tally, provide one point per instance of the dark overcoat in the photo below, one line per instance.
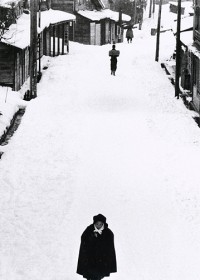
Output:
(113, 63)
(97, 257)
(129, 33)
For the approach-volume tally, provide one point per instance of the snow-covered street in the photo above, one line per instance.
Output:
(92, 143)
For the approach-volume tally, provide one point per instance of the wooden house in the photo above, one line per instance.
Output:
(63, 5)
(186, 40)
(15, 45)
(95, 23)
(173, 7)
(10, 11)
(186, 70)
(14, 66)
(98, 27)
(195, 58)
(75, 5)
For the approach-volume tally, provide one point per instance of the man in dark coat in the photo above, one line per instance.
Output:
(97, 257)
(113, 60)
(129, 34)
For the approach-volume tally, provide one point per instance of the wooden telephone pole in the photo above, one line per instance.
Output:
(158, 31)
(150, 8)
(178, 50)
(33, 48)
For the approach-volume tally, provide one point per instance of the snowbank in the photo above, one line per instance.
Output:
(10, 103)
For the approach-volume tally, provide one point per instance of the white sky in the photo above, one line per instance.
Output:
(93, 143)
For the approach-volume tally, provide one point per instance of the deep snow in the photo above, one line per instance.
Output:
(93, 143)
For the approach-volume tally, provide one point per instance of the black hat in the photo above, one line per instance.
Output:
(99, 218)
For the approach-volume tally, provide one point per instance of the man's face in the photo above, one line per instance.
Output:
(98, 224)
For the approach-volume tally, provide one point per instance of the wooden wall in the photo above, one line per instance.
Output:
(21, 68)
(82, 30)
(84, 5)
(105, 32)
(14, 66)
(6, 65)
(55, 39)
(14, 62)
(97, 33)
(63, 5)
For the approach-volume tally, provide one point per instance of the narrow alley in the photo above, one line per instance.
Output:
(95, 143)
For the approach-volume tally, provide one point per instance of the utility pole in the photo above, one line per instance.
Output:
(178, 50)
(33, 48)
(158, 31)
(154, 4)
(134, 12)
(39, 38)
(150, 8)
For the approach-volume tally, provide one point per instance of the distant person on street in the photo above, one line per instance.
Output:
(113, 60)
(97, 257)
(129, 34)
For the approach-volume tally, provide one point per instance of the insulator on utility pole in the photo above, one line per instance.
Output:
(33, 48)
(178, 50)
(158, 31)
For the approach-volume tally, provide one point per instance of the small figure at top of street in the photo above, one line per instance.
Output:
(129, 34)
(113, 60)
(97, 257)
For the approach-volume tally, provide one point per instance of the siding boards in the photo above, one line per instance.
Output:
(63, 5)
(14, 66)
(14, 62)
(98, 34)
(82, 30)
(105, 32)
(6, 64)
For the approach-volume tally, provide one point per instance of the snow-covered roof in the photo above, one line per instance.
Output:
(186, 23)
(194, 50)
(8, 3)
(18, 34)
(187, 37)
(188, 5)
(54, 16)
(106, 13)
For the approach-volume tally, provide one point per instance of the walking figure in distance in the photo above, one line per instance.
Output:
(97, 257)
(129, 34)
(113, 60)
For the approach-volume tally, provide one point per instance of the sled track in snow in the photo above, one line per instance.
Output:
(11, 129)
